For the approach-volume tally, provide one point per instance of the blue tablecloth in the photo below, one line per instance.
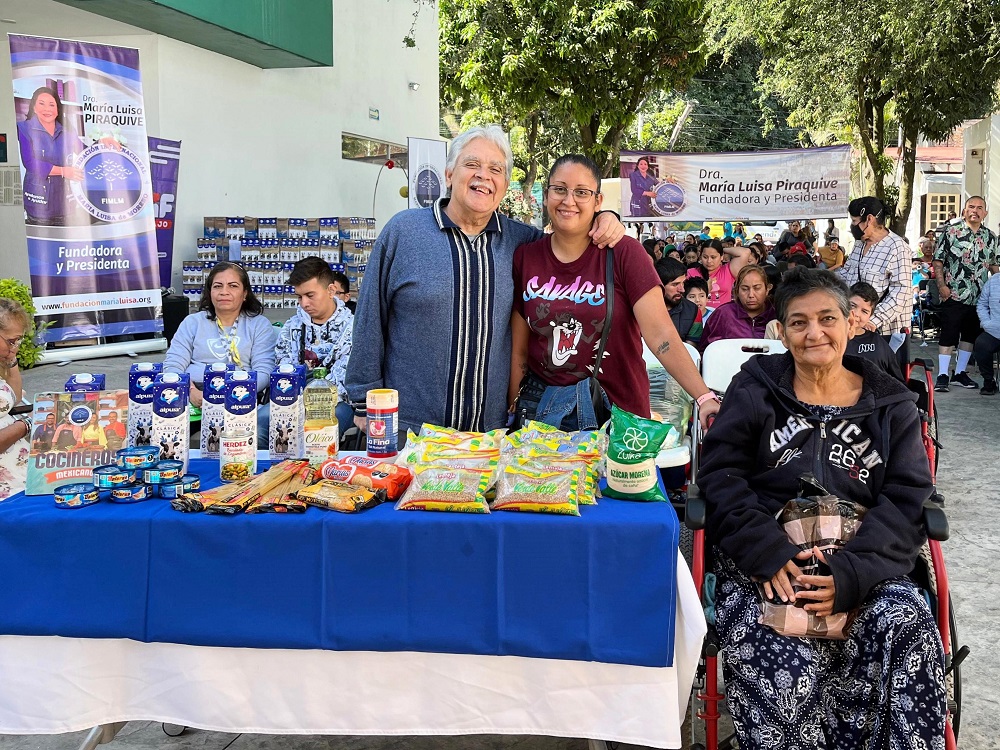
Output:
(601, 587)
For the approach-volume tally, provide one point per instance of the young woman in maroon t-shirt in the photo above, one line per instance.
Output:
(559, 304)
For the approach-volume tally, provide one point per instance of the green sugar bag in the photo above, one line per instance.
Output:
(631, 470)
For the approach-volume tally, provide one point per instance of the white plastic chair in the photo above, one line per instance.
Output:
(724, 358)
(720, 363)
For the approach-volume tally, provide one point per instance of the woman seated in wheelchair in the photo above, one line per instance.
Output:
(856, 430)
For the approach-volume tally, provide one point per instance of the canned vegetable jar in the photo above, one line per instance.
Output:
(76, 495)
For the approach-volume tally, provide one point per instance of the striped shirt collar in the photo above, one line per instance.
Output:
(445, 222)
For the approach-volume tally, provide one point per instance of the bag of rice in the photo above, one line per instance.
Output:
(631, 460)
(445, 488)
(540, 487)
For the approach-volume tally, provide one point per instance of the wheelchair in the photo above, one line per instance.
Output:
(720, 363)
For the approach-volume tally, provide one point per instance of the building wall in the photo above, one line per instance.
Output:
(982, 172)
(268, 142)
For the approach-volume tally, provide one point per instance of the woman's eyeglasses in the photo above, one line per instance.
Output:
(13, 343)
(581, 194)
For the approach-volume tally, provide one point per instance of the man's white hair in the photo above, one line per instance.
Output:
(492, 133)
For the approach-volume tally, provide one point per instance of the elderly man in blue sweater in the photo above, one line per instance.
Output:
(433, 314)
(988, 342)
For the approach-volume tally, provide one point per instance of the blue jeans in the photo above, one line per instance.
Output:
(568, 407)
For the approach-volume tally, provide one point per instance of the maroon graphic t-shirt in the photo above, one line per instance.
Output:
(564, 305)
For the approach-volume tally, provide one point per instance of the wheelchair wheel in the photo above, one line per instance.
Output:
(932, 431)
(954, 678)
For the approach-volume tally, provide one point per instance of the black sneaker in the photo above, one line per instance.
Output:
(941, 385)
(989, 388)
(963, 379)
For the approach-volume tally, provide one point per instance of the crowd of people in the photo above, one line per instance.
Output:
(478, 320)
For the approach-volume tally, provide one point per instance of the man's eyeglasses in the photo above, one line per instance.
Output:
(339, 293)
(581, 194)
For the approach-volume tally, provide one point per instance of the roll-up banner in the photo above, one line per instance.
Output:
(88, 201)
(759, 185)
(164, 165)
(427, 159)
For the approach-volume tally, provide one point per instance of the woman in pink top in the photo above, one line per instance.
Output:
(721, 276)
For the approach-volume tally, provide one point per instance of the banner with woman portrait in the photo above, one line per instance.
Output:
(810, 183)
(88, 201)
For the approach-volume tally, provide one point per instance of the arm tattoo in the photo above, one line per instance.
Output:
(663, 348)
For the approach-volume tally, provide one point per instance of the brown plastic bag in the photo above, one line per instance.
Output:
(826, 522)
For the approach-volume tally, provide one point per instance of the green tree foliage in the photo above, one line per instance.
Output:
(588, 63)
(730, 111)
(931, 64)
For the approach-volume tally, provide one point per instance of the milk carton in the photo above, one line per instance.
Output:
(84, 382)
(140, 402)
(213, 407)
(240, 417)
(288, 413)
(171, 427)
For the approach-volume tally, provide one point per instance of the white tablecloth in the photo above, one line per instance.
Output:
(50, 685)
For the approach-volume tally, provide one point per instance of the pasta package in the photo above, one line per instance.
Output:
(371, 473)
(283, 504)
(346, 498)
(539, 488)
(442, 488)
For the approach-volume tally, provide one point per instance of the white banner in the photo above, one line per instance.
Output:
(759, 185)
(98, 300)
(427, 160)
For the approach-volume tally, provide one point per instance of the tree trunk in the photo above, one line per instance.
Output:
(612, 145)
(531, 170)
(878, 136)
(870, 160)
(909, 146)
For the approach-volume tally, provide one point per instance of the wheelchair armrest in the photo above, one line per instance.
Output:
(935, 519)
(695, 510)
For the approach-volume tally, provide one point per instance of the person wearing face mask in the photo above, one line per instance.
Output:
(881, 258)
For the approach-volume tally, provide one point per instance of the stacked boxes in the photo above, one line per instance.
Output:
(268, 248)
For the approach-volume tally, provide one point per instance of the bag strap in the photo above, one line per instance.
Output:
(609, 296)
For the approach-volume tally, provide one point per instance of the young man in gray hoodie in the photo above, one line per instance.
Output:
(320, 332)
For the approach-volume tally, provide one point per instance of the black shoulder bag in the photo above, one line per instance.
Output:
(602, 408)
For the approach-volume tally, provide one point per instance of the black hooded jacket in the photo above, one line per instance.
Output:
(764, 439)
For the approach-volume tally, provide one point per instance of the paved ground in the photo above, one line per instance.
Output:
(969, 477)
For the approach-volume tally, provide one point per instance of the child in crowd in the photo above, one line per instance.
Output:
(320, 332)
(696, 290)
(869, 344)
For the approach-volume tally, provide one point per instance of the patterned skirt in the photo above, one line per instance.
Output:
(882, 687)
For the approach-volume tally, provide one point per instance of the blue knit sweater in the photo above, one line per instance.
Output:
(433, 320)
